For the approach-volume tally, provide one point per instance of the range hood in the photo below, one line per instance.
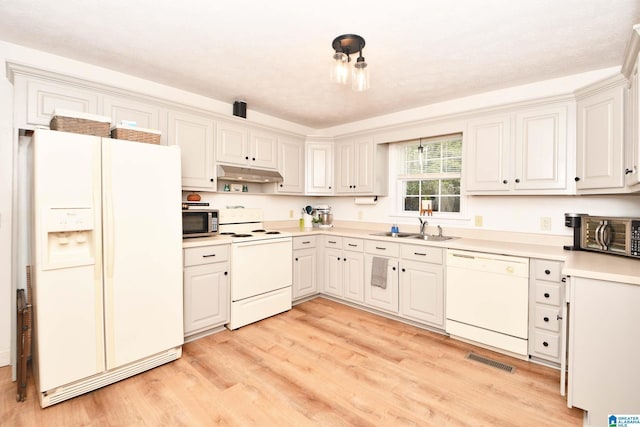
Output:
(238, 173)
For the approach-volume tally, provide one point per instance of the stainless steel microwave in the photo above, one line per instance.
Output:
(612, 235)
(199, 222)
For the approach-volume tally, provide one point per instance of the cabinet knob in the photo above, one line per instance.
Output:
(558, 317)
(394, 269)
(546, 319)
(563, 280)
(576, 179)
(296, 259)
(246, 157)
(546, 294)
(344, 259)
(253, 158)
(281, 185)
(329, 187)
(546, 344)
(403, 270)
(226, 273)
(211, 179)
(517, 180)
(338, 258)
(547, 272)
(504, 181)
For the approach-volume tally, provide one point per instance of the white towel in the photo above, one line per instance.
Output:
(379, 272)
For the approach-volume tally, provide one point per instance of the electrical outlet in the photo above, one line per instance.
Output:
(545, 223)
(291, 213)
(478, 220)
(359, 215)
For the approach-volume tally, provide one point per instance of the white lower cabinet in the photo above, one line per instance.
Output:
(422, 284)
(206, 288)
(546, 297)
(343, 268)
(382, 297)
(305, 259)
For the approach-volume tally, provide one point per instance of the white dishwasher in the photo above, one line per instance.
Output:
(487, 300)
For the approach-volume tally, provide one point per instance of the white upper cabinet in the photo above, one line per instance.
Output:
(488, 148)
(319, 169)
(194, 135)
(361, 167)
(145, 115)
(600, 144)
(243, 146)
(632, 106)
(541, 149)
(35, 101)
(524, 152)
(291, 166)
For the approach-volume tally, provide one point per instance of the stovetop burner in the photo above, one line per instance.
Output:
(272, 232)
(242, 235)
(259, 230)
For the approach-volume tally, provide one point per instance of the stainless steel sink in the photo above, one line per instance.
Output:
(389, 234)
(433, 238)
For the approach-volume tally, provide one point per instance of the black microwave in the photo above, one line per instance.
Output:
(199, 222)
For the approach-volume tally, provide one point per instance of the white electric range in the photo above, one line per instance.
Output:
(261, 266)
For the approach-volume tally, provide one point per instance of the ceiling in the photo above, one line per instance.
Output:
(275, 54)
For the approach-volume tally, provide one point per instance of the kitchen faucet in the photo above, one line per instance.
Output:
(439, 231)
(423, 224)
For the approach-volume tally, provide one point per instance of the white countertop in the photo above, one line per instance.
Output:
(576, 263)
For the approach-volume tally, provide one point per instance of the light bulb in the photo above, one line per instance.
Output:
(360, 76)
(340, 68)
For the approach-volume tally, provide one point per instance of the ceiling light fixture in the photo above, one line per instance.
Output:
(344, 46)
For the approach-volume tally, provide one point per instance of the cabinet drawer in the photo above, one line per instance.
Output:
(547, 344)
(548, 270)
(206, 255)
(377, 247)
(304, 242)
(349, 244)
(421, 253)
(547, 318)
(333, 242)
(548, 293)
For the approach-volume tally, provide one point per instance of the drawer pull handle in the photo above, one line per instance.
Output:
(306, 242)
(547, 272)
(546, 295)
(558, 317)
(546, 344)
(208, 256)
(352, 245)
(564, 280)
(546, 319)
(382, 249)
(418, 253)
(332, 241)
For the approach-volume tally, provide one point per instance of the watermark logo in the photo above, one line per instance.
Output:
(624, 420)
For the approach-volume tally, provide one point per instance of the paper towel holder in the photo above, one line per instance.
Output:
(366, 200)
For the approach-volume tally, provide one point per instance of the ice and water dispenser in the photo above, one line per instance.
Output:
(70, 237)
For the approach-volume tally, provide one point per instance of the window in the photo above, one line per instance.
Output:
(429, 174)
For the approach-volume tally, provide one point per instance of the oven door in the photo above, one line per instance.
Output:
(260, 266)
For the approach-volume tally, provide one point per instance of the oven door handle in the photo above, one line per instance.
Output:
(262, 242)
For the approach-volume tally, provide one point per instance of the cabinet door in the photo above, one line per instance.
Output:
(382, 298)
(291, 166)
(333, 267)
(632, 163)
(319, 169)
(263, 149)
(206, 297)
(304, 273)
(231, 144)
(353, 275)
(364, 166)
(541, 149)
(345, 164)
(145, 115)
(194, 135)
(599, 140)
(422, 292)
(44, 97)
(488, 157)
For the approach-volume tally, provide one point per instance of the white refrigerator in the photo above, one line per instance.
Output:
(106, 261)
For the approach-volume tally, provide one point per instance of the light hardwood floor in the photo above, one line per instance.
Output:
(322, 363)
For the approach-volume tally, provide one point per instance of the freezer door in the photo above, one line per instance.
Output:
(66, 258)
(142, 249)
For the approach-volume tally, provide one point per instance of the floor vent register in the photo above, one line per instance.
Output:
(490, 362)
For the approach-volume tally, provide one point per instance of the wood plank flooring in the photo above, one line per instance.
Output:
(322, 363)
